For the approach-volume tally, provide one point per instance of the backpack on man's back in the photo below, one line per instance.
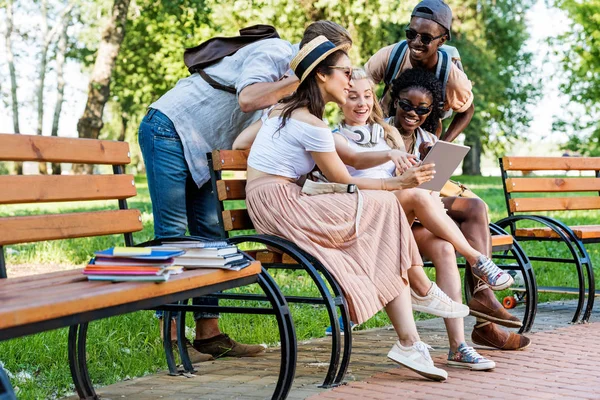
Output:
(446, 55)
(214, 50)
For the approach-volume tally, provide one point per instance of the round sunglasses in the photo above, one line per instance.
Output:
(407, 107)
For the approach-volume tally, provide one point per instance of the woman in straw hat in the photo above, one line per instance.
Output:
(362, 238)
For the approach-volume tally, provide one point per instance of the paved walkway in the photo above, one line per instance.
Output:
(562, 362)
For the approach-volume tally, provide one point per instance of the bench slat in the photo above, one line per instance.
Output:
(531, 185)
(231, 189)
(39, 188)
(64, 226)
(230, 160)
(236, 219)
(501, 240)
(20, 308)
(65, 150)
(551, 163)
(582, 232)
(554, 204)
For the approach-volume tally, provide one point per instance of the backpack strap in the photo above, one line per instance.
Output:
(442, 72)
(393, 64)
(216, 85)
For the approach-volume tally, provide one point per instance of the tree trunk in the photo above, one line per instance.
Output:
(90, 123)
(124, 121)
(472, 162)
(18, 166)
(43, 167)
(60, 87)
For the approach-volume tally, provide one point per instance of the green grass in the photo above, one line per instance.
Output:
(129, 345)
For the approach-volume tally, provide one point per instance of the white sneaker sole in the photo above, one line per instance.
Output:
(486, 366)
(444, 314)
(433, 373)
(502, 286)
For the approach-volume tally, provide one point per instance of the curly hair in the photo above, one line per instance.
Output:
(419, 78)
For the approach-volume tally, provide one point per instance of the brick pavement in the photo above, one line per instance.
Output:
(561, 362)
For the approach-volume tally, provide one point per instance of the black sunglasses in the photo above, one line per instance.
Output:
(406, 107)
(426, 38)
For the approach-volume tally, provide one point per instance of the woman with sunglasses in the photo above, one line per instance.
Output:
(414, 93)
(362, 238)
(429, 29)
(370, 148)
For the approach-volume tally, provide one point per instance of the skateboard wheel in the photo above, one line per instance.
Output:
(509, 302)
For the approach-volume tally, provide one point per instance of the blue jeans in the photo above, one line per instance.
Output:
(177, 202)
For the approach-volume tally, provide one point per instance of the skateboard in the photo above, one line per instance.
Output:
(520, 294)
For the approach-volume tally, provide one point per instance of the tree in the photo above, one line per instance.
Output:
(580, 50)
(47, 36)
(490, 35)
(90, 123)
(13, 76)
(61, 50)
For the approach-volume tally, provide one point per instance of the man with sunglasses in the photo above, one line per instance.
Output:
(429, 29)
(427, 32)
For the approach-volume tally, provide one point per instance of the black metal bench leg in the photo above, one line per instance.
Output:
(591, 290)
(519, 255)
(78, 362)
(345, 313)
(287, 336)
(167, 344)
(6, 390)
(530, 286)
(303, 259)
(181, 340)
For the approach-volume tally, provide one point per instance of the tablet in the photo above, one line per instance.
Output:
(446, 157)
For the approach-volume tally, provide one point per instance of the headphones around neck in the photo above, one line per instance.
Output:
(362, 134)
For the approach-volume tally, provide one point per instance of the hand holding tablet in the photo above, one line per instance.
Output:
(446, 157)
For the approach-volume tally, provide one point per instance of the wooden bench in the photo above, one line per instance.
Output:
(530, 208)
(229, 183)
(48, 301)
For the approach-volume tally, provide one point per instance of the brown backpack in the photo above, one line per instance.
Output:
(215, 49)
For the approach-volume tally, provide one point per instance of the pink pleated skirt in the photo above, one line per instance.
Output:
(371, 267)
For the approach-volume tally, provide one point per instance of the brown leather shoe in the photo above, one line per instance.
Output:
(491, 335)
(487, 307)
(195, 355)
(223, 346)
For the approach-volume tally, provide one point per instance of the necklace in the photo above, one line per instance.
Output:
(409, 139)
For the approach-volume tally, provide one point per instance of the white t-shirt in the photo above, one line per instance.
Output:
(381, 171)
(286, 151)
(388, 169)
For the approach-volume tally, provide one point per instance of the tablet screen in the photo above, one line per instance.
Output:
(446, 157)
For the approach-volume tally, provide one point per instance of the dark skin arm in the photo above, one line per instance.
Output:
(458, 124)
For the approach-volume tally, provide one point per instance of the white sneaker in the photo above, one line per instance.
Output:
(436, 302)
(417, 358)
(487, 271)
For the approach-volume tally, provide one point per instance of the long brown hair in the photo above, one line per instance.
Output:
(308, 94)
(392, 136)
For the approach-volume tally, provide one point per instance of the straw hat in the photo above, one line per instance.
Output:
(312, 53)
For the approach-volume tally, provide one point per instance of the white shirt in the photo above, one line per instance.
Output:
(286, 151)
(381, 171)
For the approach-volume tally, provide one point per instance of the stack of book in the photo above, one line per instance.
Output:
(210, 254)
(121, 264)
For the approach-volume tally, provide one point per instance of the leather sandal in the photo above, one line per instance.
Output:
(491, 335)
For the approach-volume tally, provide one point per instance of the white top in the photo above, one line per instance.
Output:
(286, 151)
(381, 171)
(388, 169)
